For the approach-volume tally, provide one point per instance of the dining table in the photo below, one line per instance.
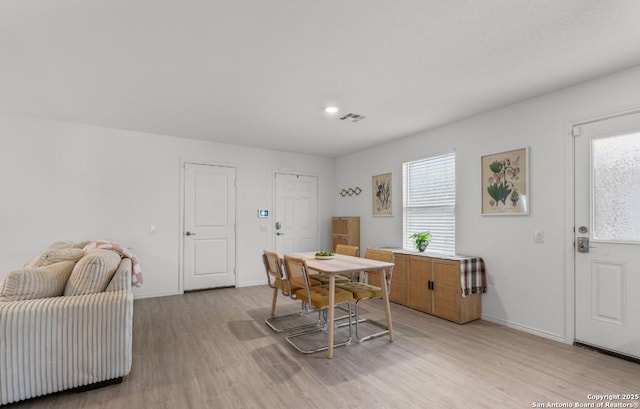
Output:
(342, 264)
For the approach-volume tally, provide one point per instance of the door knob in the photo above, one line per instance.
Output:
(190, 234)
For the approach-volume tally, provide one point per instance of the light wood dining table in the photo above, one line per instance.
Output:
(342, 264)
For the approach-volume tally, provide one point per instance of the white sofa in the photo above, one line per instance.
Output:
(65, 339)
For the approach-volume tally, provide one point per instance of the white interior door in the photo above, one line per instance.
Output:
(296, 213)
(209, 226)
(607, 214)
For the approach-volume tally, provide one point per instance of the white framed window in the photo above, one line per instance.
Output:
(429, 202)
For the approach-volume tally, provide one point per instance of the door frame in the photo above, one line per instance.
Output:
(570, 267)
(273, 200)
(181, 185)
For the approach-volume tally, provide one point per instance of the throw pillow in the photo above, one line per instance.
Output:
(93, 272)
(41, 282)
(56, 255)
(67, 244)
(60, 245)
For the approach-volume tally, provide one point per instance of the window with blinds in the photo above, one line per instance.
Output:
(429, 202)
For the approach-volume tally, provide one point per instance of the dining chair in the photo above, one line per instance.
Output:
(315, 297)
(343, 249)
(364, 291)
(348, 250)
(277, 279)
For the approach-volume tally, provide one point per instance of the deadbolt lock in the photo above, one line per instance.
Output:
(583, 244)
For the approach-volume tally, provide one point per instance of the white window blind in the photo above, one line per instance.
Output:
(429, 201)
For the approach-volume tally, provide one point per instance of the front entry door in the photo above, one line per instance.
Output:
(209, 226)
(296, 215)
(607, 234)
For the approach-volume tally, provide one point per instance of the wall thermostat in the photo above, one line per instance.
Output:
(263, 213)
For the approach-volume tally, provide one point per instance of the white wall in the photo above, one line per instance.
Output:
(65, 181)
(527, 280)
(71, 182)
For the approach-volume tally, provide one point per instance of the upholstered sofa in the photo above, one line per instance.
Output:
(65, 322)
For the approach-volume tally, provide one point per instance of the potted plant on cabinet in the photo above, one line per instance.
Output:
(421, 239)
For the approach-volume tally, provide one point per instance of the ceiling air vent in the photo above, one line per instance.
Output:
(351, 117)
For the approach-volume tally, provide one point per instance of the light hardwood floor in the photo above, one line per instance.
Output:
(211, 349)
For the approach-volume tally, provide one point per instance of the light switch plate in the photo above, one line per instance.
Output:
(538, 236)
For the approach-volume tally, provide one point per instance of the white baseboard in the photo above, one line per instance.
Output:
(524, 328)
(169, 293)
(252, 283)
(154, 295)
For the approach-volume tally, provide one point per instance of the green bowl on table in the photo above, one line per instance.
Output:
(324, 255)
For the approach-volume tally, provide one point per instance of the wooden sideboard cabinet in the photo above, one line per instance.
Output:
(345, 230)
(432, 285)
(419, 274)
(398, 292)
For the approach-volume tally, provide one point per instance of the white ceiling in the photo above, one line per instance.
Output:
(260, 72)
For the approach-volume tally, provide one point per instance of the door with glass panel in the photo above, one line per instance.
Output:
(607, 234)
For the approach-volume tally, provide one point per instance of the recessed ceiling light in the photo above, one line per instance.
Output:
(331, 110)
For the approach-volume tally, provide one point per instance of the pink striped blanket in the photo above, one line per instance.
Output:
(473, 278)
(136, 272)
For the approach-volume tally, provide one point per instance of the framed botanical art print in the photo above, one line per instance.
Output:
(382, 195)
(505, 183)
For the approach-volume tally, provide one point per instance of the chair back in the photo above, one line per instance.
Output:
(297, 273)
(347, 250)
(382, 255)
(273, 267)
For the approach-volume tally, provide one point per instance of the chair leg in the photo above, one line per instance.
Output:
(290, 338)
(359, 321)
(274, 320)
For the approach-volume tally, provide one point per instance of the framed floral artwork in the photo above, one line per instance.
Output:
(505, 183)
(382, 195)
